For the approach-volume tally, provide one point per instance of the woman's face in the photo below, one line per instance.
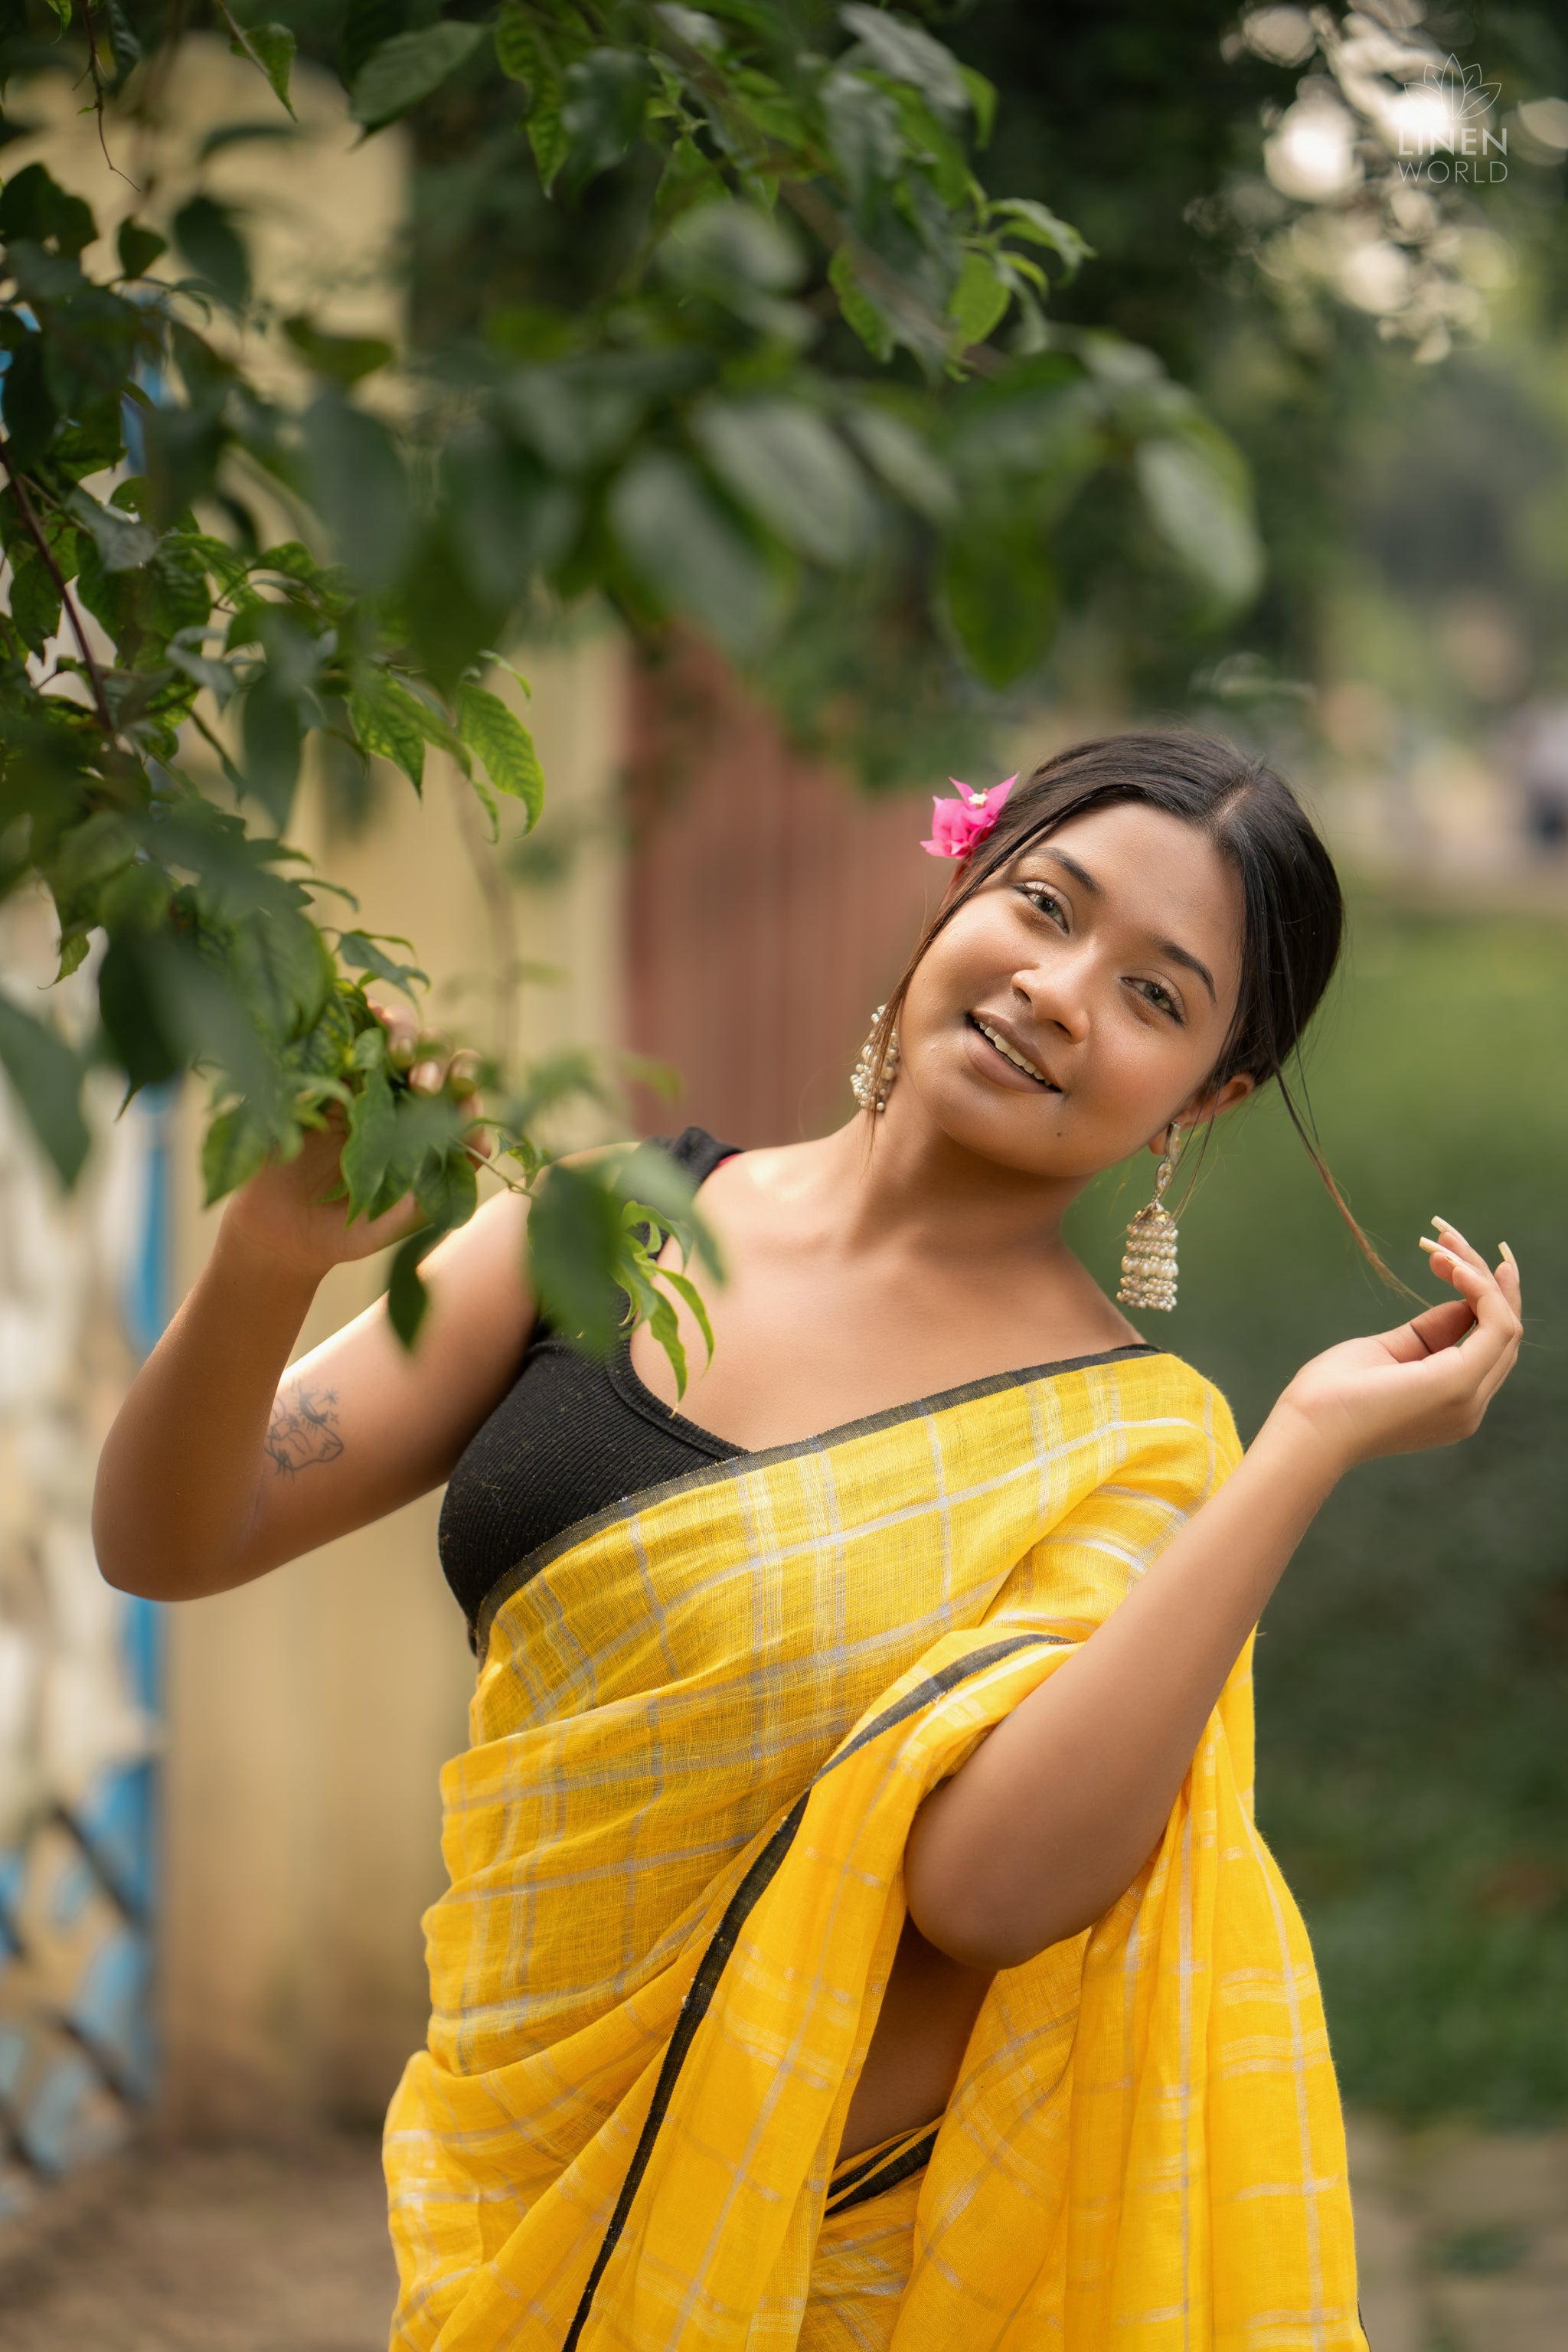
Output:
(1106, 958)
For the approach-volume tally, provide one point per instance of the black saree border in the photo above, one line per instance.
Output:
(764, 1869)
(879, 2173)
(735, 1466)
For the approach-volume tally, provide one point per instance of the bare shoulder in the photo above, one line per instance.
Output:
(1094, 1312)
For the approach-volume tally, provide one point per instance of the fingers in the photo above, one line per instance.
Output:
(1431, 1333)
(1508, 1279)
(1488, 1350)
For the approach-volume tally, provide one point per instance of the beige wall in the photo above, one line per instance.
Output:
(309, 1714)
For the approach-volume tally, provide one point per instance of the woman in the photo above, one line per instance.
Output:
(857, 1933)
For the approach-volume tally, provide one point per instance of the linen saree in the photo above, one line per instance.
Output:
(702, 1726)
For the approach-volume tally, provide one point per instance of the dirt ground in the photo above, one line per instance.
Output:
(1464, 2244)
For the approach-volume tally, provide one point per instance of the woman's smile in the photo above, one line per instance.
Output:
(997, 1050)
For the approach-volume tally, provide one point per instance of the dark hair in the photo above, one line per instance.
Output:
(1293, 915)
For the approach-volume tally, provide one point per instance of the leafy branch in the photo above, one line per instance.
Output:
(818, 389)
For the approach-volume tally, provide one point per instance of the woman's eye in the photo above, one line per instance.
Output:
(1158, 997)
(1046, 901)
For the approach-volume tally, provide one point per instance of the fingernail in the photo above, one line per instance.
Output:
(1507, 1254)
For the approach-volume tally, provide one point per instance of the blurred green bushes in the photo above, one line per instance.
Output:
(1413, 1669)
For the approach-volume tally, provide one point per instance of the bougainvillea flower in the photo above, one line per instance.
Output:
(957, 825)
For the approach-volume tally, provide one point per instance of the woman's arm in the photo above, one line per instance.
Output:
(221, 1465)
(1059, 1809)
(218, 1467)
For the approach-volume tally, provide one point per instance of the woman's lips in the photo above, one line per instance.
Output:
(993, 1053)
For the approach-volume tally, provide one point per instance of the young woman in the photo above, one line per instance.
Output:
(857, 1933)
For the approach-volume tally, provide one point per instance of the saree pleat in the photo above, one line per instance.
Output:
(702, 1730)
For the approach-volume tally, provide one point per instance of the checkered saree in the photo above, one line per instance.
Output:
(701, 1729)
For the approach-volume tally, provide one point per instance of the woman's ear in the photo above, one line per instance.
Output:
(1226, 1098)
(1204, 1109)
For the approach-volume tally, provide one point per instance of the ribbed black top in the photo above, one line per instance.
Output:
(569, 1438)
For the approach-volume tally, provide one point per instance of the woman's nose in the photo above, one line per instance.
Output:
(1058, 992)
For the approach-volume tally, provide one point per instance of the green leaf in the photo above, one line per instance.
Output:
(361, 953)
(206, 236)
(139, 247)
(604, 97)
(905, 53)
(123, 544)
(384, 727)
(368, 1146)
(34, 599)
(47, 1076)
(1000, 594)
(281, 972)
(575, 1247)
(1195, 491)
(133, 1006)
(694, 1300)
(859, 311)
(407, 1296)
(982, 96)
(344, 358)
(661, 1322)
(904, 461)
(272, 734)
(863, 133)
(273, 44)
(1037, 222)
(786, 463)
(407, 69)
(217, 676)
(978, 302)
(234, 1147)
(31, 411)
(547, 130)
(496, 735)
(124, 43)
(518, 50)
(359, 485)
(392, 722)
(33, 206)
(366, 23)
(689, 553)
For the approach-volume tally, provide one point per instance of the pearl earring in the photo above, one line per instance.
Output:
(870, 1093)
(1149, 1267)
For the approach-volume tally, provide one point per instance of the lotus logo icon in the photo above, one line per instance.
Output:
(1441, 125)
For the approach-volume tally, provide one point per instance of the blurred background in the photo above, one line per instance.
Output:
(218, 1826)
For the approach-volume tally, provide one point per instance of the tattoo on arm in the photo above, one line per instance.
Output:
(304, 1429)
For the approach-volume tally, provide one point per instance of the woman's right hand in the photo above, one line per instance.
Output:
(286, 1211)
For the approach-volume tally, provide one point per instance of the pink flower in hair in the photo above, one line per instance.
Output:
(957, 825)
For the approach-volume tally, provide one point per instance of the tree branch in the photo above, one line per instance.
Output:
(47, 557)
(98, 96)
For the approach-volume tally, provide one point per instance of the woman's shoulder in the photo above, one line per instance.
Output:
(1172, 1389)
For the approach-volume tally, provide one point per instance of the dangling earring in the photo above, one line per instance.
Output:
(873, 1095)
(1149, 1268)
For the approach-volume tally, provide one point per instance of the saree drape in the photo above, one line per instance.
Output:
(701, 1729)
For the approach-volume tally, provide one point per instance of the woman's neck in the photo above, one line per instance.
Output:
(905, 1184)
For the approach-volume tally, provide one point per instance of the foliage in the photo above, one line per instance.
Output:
(1412, 1773)
(787, 379)
(1148, 128)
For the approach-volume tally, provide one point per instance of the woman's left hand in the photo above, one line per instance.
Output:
(1428, 1382)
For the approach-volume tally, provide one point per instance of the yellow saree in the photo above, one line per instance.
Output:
(700, 1732)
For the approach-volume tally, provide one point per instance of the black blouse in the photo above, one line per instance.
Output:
(569, 1438)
